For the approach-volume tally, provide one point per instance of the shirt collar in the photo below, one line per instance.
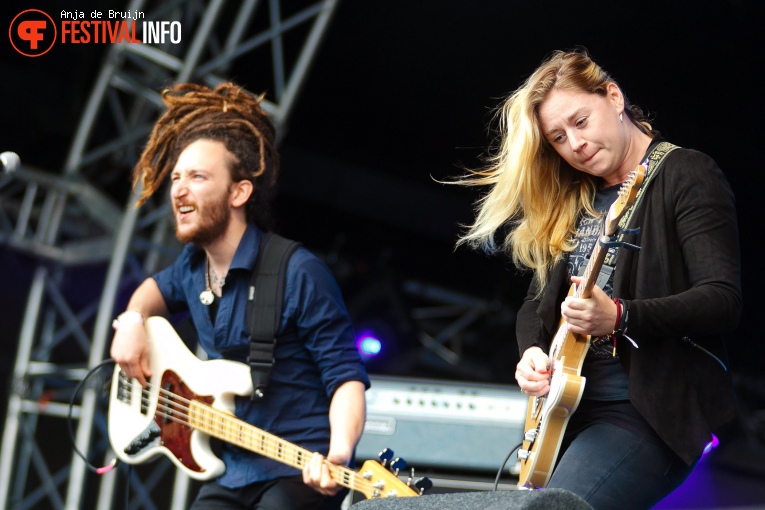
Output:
(247, 251)
(244, 256)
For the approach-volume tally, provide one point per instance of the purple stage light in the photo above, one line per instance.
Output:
(368, 344)
(711, 445)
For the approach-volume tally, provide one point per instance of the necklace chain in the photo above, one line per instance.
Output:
(206, 297)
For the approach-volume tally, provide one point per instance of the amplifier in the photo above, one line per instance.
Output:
(443, 425)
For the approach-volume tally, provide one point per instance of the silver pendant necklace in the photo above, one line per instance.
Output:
(206, 297)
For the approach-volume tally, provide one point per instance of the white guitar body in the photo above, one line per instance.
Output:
(137, 432)
(170, 417)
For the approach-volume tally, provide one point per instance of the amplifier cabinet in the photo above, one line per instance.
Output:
(443, 425)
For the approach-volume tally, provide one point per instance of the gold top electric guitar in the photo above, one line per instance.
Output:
(548, 415)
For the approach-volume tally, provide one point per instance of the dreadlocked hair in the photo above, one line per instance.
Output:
(227, 114)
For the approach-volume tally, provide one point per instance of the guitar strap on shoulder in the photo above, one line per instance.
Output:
(653, 164)
(655, 159)
(264, 306)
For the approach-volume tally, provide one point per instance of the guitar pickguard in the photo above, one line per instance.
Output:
(165, 402)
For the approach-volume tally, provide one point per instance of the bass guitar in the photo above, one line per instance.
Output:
(188, 400)
(548, 415)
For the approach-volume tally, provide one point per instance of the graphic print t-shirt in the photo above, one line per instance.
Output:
(606, 378)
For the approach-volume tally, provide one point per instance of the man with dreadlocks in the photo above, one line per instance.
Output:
(218, 148)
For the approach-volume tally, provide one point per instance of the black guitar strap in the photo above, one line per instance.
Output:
(655, 159)
(264, 306)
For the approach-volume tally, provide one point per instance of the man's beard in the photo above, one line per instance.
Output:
(212, 224)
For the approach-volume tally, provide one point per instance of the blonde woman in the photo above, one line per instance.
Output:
(657, 381)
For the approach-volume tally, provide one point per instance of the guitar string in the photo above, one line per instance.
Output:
(271, 445)
(264, 442)
(621, 198)
(261, 441)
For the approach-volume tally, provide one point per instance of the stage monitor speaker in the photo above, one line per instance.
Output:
(545, 499)
(443, 425)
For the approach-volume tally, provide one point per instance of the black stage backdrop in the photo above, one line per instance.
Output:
(400, 95)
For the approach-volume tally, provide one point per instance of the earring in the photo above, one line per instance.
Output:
(620, 117)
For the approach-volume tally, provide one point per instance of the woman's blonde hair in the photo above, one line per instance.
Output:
(535, 197)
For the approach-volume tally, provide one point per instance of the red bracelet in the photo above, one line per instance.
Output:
(618, 315)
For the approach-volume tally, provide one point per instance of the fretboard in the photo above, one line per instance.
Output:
(590, 275)
(228, 428)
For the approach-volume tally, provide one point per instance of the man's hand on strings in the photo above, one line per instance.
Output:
(316, 474)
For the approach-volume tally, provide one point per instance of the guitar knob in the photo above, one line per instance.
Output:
(397, 465)
(423, 484)
(523, 454)
(385, 456)
(530, 435)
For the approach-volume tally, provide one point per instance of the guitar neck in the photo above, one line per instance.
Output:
(228, 428)
(590, 276)
(624, 200)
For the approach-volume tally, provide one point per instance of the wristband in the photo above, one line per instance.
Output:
(129, 317)
(618, 323)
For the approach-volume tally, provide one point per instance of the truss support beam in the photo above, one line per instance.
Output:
(70, 219)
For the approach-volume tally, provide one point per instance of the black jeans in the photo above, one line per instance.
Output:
(288, 493)
(612, 468)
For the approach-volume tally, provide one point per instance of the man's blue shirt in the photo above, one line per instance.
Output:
(315, 349)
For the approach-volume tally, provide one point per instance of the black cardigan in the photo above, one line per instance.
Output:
(682, 287)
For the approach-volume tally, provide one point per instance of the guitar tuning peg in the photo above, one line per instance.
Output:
(385, 456)
(423, 484)
(397, 465)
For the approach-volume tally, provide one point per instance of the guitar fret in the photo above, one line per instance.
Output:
(194, 412)
(224, 429)
(297, 456)
(586, 283)
(233, 431)
(214, 422)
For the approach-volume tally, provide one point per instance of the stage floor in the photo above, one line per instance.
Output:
(715, 485)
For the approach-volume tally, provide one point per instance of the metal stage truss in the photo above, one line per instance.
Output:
(70, 220)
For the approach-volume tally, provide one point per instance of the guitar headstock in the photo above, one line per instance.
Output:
(384, 481)
(626, 198)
